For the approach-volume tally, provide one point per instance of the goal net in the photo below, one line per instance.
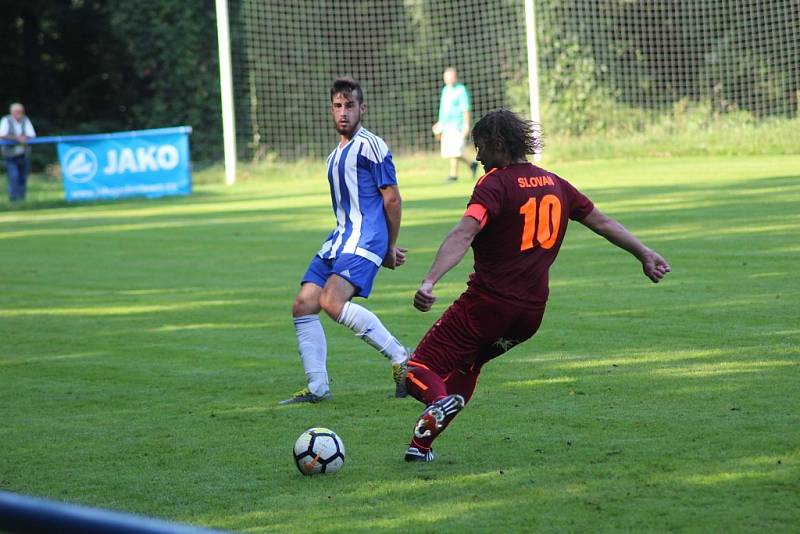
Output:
(286, 54)
(621, 65)
(605, 66)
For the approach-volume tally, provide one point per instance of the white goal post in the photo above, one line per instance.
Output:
(226, 91)
(533, 70)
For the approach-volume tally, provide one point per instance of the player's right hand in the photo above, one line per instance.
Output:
(424, 297)
(654, 266)
(395, 257)
(399, 256)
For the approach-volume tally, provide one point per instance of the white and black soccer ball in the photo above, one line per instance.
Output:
(318, 451)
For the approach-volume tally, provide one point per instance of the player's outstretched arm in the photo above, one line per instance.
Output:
(393, 208)
(654, 266)
(450, 253)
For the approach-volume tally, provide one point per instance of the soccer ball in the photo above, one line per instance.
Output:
(318, 451)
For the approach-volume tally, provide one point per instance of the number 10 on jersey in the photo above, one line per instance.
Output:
(540, 231)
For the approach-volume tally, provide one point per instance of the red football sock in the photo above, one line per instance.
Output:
(463, 382)
(423, 384)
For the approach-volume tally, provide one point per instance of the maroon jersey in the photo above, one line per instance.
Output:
(527, 210)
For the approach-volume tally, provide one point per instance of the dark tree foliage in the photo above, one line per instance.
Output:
(85, 66)
(88, 66)
(172, 48)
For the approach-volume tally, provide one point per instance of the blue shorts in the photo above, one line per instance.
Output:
(357, 270)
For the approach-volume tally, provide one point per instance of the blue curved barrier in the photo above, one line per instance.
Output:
(24, 514)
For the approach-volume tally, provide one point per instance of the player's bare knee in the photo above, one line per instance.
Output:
(332, 305)
(298, 308)
(304, 306)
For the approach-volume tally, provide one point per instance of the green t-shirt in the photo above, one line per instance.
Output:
(452, 105)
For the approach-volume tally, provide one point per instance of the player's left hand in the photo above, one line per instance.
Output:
(424, 297)
(395, 257)
(654, 266)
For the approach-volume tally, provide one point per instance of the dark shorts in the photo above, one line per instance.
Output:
(473, 330)
(358, 271)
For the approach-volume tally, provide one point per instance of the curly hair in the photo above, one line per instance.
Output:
(347, 86)
(517, 136)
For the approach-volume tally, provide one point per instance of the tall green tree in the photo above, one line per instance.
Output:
(172, 48)
(87, 66)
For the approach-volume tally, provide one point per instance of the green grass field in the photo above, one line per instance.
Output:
(144, 346)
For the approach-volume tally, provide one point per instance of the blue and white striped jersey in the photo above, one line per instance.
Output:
(356, 172)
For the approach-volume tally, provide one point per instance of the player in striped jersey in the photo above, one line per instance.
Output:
(366, 203)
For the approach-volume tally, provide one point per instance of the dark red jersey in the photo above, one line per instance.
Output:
(527, 210)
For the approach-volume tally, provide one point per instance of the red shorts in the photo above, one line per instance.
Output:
(473, 330)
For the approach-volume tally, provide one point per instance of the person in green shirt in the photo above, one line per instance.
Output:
(454, 123)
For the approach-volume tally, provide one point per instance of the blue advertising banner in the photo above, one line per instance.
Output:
(149, 163)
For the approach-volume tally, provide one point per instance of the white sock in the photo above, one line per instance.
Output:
(313, 352)
(368, 327)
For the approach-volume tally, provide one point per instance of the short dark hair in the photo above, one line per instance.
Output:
(347, 86)
(518, 136)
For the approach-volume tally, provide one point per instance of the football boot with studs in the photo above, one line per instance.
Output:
(305, 395)
(431, 420)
